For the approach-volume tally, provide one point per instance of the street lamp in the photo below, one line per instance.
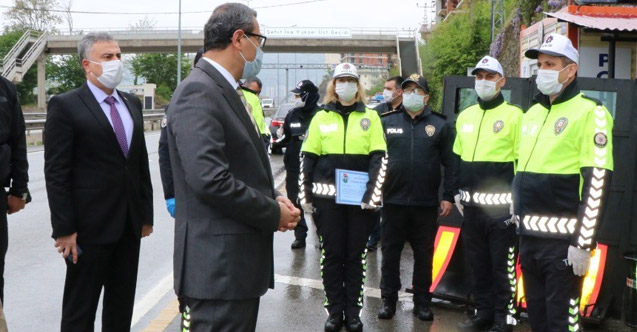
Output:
(179, 47)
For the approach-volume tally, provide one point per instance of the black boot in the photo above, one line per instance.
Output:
(354, 324)
(334, 323)
(387, 309)
(298, 244)
(475, 323)
(423, 312)
(501, 327)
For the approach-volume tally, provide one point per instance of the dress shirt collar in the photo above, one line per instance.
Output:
(101, 95)
(226, 74)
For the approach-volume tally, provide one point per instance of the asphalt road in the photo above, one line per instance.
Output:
(34, 275)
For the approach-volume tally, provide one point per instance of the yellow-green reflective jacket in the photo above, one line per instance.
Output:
(565, 164)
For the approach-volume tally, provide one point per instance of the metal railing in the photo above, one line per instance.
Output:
(19, 45)
(34, 122)
(32, 54)
(379, 31)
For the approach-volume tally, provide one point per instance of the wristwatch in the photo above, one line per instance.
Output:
(24, 196)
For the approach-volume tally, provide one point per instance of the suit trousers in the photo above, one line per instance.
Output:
(418, 225)
(552, 290)
(343, 232)
(220, 315)
(490, 245)
(4, 239)
(110, 266)
(292, 189)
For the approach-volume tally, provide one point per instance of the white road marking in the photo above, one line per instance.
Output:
(151, 298)
(318, 284)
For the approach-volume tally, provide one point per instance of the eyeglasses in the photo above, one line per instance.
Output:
(262, 39)
(417, 90)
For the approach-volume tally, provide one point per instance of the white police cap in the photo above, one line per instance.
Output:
(555, 45)
(489, 64)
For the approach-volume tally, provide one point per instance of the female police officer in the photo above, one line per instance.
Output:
(343, 135)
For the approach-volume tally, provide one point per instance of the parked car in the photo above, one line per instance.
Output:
(276, 127)
(267, 103)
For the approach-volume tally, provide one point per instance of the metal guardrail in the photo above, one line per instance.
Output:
(38, 124)
(19, 45)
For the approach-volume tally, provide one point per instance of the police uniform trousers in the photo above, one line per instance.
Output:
(490, 244)
(220, 315)
(343, 231)
(292, 189)
(111, 266)
(4, 239)
(418, 226)
(552, 290)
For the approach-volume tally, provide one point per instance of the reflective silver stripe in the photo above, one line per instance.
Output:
(323, 189)
(302, 199)
(551, 225)
(380, 179)
(573, 316)
(511, 274)
(591, 212)
(485, 198)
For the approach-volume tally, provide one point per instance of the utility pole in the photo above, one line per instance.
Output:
(497, 17)
(179, 47)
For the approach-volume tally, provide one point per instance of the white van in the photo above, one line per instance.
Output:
(267, 103)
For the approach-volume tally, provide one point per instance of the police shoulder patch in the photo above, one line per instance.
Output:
(497, 126)
(560, 125)
(430, 130)
(365, 124)
(601, 140)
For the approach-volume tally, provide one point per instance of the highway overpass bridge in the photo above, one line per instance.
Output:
(33, 47)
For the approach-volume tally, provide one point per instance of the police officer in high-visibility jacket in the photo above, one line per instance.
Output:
(343, 135)
(487, 135)
(563, 178)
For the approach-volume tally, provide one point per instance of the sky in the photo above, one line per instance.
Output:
(307, 13)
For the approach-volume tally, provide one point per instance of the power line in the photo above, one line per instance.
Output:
(57, 10)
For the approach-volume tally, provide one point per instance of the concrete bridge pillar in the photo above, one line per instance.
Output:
(42, 82)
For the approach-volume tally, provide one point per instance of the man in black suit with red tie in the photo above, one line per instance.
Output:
(99, 189)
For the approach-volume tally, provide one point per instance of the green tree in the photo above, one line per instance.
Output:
(456, 45)
(160, 69)
(66, 72)
(34, 15)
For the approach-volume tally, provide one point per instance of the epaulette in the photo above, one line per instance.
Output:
(390, 112)
(246, 89)
(516, 105)
(444, 117)
(597, 101)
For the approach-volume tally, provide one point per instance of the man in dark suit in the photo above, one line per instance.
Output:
(99, 189)
(228, 208)
(14, 167)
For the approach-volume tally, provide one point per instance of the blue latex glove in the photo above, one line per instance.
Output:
(170, 205)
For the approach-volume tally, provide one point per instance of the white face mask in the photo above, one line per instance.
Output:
(486, 89)
(547, 81)
(298, 102)
(112, 72)
(346, 91)
(413, 102)
(388, 96)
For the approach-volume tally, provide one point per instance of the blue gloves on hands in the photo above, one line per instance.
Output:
(170, 205)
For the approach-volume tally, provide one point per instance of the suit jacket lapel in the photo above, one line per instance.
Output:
(234, 100)
(91, 103)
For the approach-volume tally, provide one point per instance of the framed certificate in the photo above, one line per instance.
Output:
(350, 186)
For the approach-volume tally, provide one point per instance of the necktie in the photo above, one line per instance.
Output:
(248, 108)
(118, 126)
